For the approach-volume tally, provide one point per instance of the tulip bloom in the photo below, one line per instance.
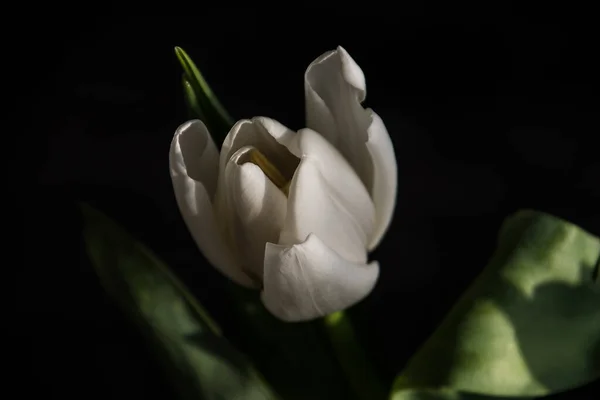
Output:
(294, 214)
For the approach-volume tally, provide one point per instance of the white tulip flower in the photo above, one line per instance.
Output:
(294, 214)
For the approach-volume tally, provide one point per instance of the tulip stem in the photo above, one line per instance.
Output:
(354, 362)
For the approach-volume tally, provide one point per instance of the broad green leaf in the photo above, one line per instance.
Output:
(197, 92)
(528, 326)
(201, 364)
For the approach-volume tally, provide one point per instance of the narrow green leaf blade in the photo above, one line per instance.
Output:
(201, 364)
(528, 326)
(191, 100)
(214, 113)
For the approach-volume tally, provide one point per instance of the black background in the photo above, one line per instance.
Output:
(485, 119)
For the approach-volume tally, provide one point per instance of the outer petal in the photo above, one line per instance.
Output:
(258, 210)
(309, 280)
(335, 87)
(193, 162)
(385, 177)
(327, 198)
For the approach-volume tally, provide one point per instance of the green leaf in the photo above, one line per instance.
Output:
(296, 358)
(362, 376)
(198, 93)
(201, 363)
(191, 100)
(528, 326)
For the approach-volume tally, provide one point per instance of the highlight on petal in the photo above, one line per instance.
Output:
(328, 199)
(258, 208)
(270, 138)
(193, 153)
(267, 135)
(193, 162)
(334, 88)
(310, 280)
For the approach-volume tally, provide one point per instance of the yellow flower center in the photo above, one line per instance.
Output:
(270, 170)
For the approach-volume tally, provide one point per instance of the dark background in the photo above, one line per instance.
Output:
(485, 119)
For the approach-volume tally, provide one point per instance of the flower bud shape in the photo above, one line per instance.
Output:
(294, 214)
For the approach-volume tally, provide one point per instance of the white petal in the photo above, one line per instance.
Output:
(335, 87)
(265, 134)
(310, 280)
(259, 209)
(385, 177)
(193, 162)
(327, 198)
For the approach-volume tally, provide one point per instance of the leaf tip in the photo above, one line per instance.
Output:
(182, 56)
(179, 52)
